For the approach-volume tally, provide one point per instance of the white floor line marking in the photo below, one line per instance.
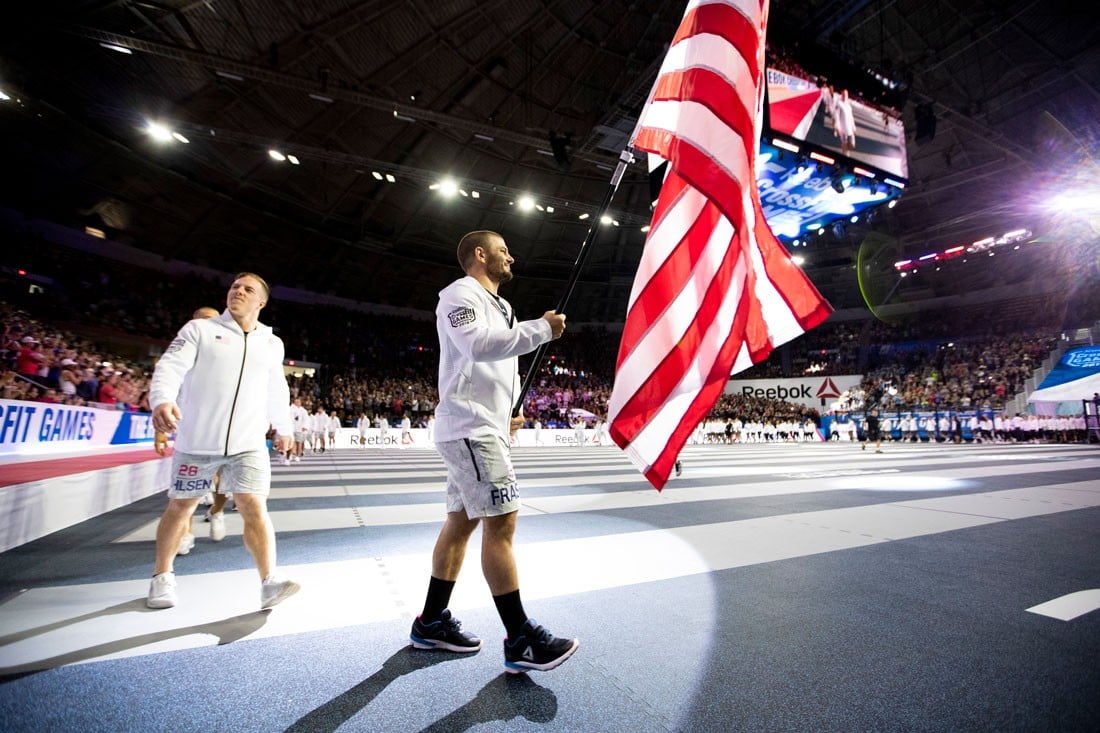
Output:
(71, 624)
(1069, 606)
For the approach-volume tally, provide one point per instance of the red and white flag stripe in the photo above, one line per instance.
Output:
(715, 291)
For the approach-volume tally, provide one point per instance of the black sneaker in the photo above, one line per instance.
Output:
(536, 648)
(679, 468)
(446, 633)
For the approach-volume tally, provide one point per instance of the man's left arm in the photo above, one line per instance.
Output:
(278, 398)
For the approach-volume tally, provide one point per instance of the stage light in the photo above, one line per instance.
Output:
(526, 203)
(276, 155)
(605, 219)
(181, 138)
(158, 132)
(448, 187)
(3, 96)
(378, 177)
(892, 204)
(390, 178)
(582, 217)
(645, 228)
(119, 49)
(293, 159)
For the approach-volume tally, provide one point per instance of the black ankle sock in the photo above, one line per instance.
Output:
(511, 612)
(439, 595)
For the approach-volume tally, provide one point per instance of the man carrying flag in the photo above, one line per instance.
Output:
(715, 292)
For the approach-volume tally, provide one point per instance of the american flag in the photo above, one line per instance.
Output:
(715, 291)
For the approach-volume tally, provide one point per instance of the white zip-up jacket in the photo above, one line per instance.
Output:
(479, 345)
(229, 386)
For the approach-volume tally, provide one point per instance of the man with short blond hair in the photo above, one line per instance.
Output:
(227, 375)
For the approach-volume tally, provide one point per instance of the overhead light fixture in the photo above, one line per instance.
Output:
(822, 158)
(785, 145)
(3, 96)
(390, 178)
(475, 194)
(862, 172)
(645, 228)
(119, 49)
(463, 193)
(605, 219)
(378, 177)
(798, 260)
(403, 118)
(158, 132)
(227, 75)
(526, 203)
(582, 217)
(321, 98)
(293, 159)
(549, 209)
(180, 137)
(448, 187)
(892, 204)
(486, 138)
(854, 219)
(276, 155)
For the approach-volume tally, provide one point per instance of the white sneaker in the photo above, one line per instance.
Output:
(162, 591)
(217, 526)
(207, 499)
(186, 544)
(297, 459)
(274, 592)
(286, 461)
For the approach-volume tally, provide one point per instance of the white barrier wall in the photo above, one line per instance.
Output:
(419, 438)
(37, 508)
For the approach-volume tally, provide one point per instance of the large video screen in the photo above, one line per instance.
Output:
(835, 120)
(799, 196)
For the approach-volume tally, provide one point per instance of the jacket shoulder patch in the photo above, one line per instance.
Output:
(461, 316)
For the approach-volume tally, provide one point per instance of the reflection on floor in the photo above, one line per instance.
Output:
(771, 587)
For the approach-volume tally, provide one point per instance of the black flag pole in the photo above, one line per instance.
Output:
(625, 158)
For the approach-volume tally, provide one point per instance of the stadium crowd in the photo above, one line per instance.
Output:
(90, 335)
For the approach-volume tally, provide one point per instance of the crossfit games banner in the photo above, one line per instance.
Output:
(816, 392)
(44, 428)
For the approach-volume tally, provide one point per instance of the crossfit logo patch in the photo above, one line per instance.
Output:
(461, 316)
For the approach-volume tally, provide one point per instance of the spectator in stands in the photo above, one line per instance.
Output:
(29, 358)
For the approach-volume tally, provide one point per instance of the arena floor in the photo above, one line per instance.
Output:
(810, 587)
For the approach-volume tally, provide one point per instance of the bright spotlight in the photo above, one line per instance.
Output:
(276, 155)
(158, 132)
(293, 159)
(181, 138)
(526, 203)
(605, 220)
(448, 187)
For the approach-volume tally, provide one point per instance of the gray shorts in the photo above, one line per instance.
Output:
(242, 473)
(480, 477)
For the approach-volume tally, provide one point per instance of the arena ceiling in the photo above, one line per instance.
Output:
(378, 100)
